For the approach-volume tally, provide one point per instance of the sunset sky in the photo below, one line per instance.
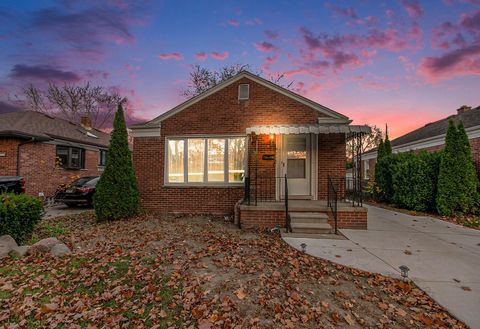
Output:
(404, 62)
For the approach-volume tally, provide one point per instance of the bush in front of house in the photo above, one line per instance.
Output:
(384, 177)
(414, 179)
(384, 170)
(457, 180)
(116, 193)
(18, 215)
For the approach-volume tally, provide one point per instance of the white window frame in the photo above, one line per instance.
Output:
(248, 91)
(205, 182)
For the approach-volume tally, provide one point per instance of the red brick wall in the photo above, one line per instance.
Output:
(353, 218)
(263, 170)
(331, 160)
(261, 219)
(37, 166)
(8, 162)
(221, 113)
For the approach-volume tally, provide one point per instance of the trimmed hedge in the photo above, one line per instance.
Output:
(414, 178)
(18, 215)
(384, 177)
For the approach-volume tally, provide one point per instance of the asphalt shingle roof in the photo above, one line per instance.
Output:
(35, 124)
(470, 118)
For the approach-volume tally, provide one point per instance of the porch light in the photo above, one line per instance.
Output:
(304, 247)
(404, 270)
(271, 137)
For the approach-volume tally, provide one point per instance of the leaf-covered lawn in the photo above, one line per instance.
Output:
(197, 272)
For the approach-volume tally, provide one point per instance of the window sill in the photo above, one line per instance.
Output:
(213, 185)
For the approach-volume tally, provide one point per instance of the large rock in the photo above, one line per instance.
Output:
(19, 252)
(44, 245)
(7, 243)
(60, 250)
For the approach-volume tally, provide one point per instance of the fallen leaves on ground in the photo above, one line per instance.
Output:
(191, 271)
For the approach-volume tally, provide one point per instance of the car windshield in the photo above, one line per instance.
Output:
(83, 181)
(93, 182)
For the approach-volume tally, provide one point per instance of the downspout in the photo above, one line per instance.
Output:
(18, 153)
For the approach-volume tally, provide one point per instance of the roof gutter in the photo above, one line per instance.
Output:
(18, 153)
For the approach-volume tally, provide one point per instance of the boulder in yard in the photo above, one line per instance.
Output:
(7, 243)
(60, 250)
(19, 251)
(44, 245)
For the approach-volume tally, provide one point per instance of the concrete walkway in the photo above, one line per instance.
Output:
(444, 258)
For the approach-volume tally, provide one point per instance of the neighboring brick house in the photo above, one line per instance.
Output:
(431, 138)
(49, 151)
(242, 137)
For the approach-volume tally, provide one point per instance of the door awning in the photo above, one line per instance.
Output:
(309, 129)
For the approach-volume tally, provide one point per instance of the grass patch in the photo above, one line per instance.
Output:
(5, 294)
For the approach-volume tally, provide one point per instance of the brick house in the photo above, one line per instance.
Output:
(231, 150)
(49, 151)
(431, 138)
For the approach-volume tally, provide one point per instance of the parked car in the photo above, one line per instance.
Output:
(13, 184)
(79, 192)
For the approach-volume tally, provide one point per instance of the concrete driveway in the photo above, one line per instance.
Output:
(63, 210)
(444, 258)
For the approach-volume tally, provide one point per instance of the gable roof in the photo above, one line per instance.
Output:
(31, 124)
(470, 119)
(243, 74)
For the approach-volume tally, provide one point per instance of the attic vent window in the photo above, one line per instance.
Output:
(243, 92)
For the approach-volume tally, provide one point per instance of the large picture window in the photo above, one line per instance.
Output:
(205, 160)
(71, 157)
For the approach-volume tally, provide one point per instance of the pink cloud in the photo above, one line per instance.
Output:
(176, 56)
(233, 22)
(390, 13)
(459, 62)
(413, 8)
(219, 56)
(268, 62)
(265, 47)
(201, 56)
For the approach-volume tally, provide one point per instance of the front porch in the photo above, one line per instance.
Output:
(267, 215)
(296, 179)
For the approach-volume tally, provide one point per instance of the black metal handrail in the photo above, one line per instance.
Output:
(349, 190)
(287, 214)
(332, 201)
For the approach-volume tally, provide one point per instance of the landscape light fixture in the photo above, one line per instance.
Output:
(304, 247)
(404, 270)
(271, 137)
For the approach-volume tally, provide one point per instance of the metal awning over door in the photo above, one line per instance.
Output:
(308, 129)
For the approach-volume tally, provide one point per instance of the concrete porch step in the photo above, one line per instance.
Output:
(323, 228)
(308, 217)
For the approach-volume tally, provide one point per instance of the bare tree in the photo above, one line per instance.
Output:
(368, 142)
(202, 78)
(73, 102)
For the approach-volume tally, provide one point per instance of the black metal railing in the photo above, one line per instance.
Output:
(268, 189)
(264, 189)
(349, 190)
(332, 201)
(288, 225)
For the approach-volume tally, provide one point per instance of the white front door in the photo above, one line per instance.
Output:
(296, 164)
